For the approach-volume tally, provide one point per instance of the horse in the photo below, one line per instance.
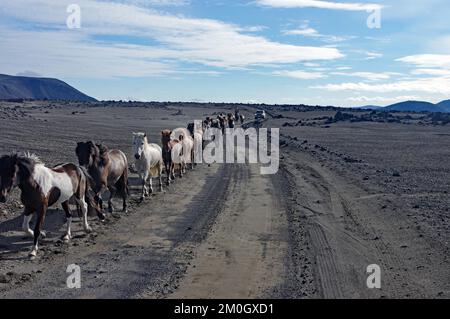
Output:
(149, 162)
(184, 136)
(42, 187)
(207, 123)
(215, 124)
(237, 114)
(109, 170)
(167, 146)
(197, 136)
(230, 120)
(223, 121)
(178, 159)
(242, 119)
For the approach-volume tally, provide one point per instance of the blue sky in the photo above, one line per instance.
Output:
(262, 51)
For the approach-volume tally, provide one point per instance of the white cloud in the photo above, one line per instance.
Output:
(428, 60)
(152, 2)
(373, 55)
(433, 72)
(165, 40)
(439, 85)
(313, 33)
(348, 6)
(381, 99)
(302, 75)
(370, 76)
(343, 68)
(308, 32)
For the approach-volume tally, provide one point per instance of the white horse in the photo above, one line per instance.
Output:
(184, 136)
(178, 161)
(148, 162)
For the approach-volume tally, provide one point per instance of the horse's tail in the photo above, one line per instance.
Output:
(89, 198)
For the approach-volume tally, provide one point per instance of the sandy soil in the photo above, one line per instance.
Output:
(346, 196)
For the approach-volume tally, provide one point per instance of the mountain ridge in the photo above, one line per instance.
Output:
(39, 88)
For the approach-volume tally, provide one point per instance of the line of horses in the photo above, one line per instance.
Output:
(100, 169)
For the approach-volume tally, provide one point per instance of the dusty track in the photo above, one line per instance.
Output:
(226, 231)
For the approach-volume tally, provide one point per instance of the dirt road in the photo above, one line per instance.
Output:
(226, 231)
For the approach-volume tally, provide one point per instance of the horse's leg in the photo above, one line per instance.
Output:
(167, 170)
(160, 178)
(37, 229)
(112, 192)
(172, 170)
(68, 235)
(84, 209)
(98, 198)
(144, 186)
(123, 188)
(150, 184)
(27, 216)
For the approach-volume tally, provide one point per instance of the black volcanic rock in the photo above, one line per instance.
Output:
(22, 87)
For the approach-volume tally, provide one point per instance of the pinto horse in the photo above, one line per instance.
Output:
(149, 162)
(108, 168)
(43, 187)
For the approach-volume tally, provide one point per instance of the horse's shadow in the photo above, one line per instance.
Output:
(13, 240)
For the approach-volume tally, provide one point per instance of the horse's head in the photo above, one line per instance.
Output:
(8, 175)
(191, 128)
(139, 142)
(165, 137)
(87, 153)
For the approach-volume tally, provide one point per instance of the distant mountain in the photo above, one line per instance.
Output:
(417, 106)
(369, 107)
(445, 105)
(23, 87)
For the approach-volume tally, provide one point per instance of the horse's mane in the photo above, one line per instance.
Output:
(25, 161)
(33, 157)
(102, 153)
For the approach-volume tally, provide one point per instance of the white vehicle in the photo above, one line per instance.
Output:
(260, 115)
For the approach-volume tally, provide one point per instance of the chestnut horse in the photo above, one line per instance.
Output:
(109, 170)
(43, 187)
(168, 146)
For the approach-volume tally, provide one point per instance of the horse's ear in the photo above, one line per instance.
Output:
(145, 134)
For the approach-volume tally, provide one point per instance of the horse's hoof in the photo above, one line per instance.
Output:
(125, 211)
(88, 230)
(101, 216)
(43, 234)
(66, 238)
(33, 254)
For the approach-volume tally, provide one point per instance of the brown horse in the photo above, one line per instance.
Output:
(167, 147)
(108, 168)
(43, 187)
